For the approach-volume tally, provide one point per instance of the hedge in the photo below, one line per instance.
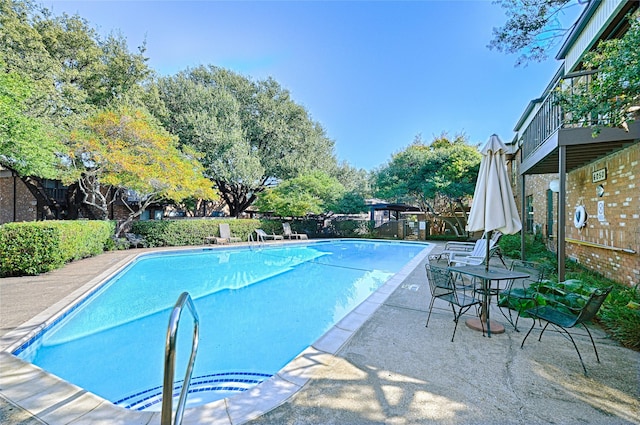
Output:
(183, 232)
(31, 248)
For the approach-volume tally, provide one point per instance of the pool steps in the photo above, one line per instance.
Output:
(217, 386)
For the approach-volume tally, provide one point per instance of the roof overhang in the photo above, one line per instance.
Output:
(581, 148)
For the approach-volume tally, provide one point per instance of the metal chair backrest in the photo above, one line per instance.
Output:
(440, 281)
(535, 272)
(592, 306)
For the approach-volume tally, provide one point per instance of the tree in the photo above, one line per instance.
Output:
(124, 151)
(27, 145)
(251, 134)
(438, 178)
(533, 28)
(612, 96)
(72, 73)
(312, 193)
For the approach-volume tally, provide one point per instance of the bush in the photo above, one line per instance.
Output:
(351, 228)
(37, 247)
(191, 231)
(620, 313)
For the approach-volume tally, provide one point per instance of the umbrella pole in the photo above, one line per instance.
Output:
(486, 267)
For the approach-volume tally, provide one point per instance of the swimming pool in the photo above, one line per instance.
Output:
(259, 309)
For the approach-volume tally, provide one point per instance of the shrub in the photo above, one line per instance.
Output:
(620, 313)
(37, 247)
(190, 231)
(351, 228)
(28, 249)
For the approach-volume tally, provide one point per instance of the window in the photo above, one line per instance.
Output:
(529, 217)
(549, 213)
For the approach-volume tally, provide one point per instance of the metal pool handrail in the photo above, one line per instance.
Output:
(170, 357)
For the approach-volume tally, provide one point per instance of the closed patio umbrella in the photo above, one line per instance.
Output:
(493, 206)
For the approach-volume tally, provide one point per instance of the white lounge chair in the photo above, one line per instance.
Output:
(465, 248)
(474, 257)
(262, 236)
(225, 234)
(289, 234)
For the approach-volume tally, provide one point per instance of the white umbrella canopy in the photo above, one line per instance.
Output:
(493, 206)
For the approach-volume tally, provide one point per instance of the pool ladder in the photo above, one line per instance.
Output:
(258, 240)
(169, 361)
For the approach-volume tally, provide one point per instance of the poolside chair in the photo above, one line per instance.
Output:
(225, 234)
(473, 257)
(478, 255)
(517, 295)
(465, 248)
(443, 286)
(135, 241)
(263, 236)
(289, 234)
(563, 318)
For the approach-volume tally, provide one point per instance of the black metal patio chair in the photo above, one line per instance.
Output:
(443, 286)
(517, 295)
(562, 320)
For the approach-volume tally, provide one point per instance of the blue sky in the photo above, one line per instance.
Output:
(373, 73)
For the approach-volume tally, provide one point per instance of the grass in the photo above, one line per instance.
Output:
(620, 313)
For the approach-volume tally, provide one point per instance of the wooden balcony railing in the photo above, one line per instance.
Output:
(550, 116)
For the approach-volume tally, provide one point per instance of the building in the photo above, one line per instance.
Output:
(582, 192)
(18, 203)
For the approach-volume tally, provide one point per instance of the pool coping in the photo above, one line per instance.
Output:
(54, 400)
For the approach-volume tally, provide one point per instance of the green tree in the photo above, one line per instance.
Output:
(312, 193)
(72, 71)
(438, 178)
(533, 28)
(27, 145)
(123, 151)
(251, 134)
(612, 96)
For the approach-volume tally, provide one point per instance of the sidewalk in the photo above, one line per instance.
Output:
(395, 371)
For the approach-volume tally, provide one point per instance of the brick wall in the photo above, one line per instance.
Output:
(610, 246)
(25, 203)
(619, 228)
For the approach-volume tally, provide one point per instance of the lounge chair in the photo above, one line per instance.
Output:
(473, 257)
(135, 241)
(464, 248)
(478, 255)
(262, 236)
(225, 235)
(289, 234)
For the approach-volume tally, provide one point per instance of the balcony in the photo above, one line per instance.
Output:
(551, 128)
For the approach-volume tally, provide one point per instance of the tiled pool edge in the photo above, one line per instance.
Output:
(56, 401)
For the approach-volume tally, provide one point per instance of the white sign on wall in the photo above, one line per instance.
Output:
(601, 211)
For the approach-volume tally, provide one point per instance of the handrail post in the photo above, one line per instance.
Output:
(169, 361)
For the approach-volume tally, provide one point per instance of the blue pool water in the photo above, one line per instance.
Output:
(258, 308)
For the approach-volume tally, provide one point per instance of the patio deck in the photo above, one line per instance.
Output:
(393, 370)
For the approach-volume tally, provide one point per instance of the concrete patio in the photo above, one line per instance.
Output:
(392, 370)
